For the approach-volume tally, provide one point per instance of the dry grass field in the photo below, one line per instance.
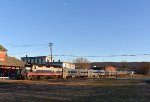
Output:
(75, 90)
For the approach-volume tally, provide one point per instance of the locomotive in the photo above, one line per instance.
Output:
(35, 71)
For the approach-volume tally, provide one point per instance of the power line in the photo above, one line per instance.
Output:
(63, 55)
(25, 45)
(124, 55)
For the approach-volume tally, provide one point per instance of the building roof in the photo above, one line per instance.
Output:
(2, 48)
(12, 62)
(35, 57)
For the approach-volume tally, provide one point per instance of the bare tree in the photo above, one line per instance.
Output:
(124, 66)
(82, 63)
(144, 68)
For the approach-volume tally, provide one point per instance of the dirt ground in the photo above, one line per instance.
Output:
(75, 90)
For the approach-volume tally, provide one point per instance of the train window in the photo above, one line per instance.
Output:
(95, 72)
(72, 71)
(84, 72)
(58, 71)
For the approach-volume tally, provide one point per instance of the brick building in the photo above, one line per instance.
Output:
(9, 66)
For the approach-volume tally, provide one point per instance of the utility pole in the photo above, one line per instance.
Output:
(50, 45)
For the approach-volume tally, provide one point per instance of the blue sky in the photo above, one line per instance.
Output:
(77, 27)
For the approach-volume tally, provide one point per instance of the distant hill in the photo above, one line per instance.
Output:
(130, 65)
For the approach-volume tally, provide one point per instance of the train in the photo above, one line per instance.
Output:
(38, 71)
(33, 72)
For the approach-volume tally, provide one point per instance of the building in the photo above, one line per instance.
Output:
(9, 66)
(2, 53)
(37, 59)
(118, 65)
(110, 69)
(46, 60)
(64, 64)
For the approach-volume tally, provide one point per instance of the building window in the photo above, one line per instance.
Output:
(29, 60)
(37, 60)
(23, 59)
(41, 60)
(32, 60)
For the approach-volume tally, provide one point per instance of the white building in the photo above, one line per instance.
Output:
(37, 60)
(64, 64)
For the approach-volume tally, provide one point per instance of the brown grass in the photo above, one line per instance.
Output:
(75, 90)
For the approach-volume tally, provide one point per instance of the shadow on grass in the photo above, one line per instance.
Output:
(147, 81)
